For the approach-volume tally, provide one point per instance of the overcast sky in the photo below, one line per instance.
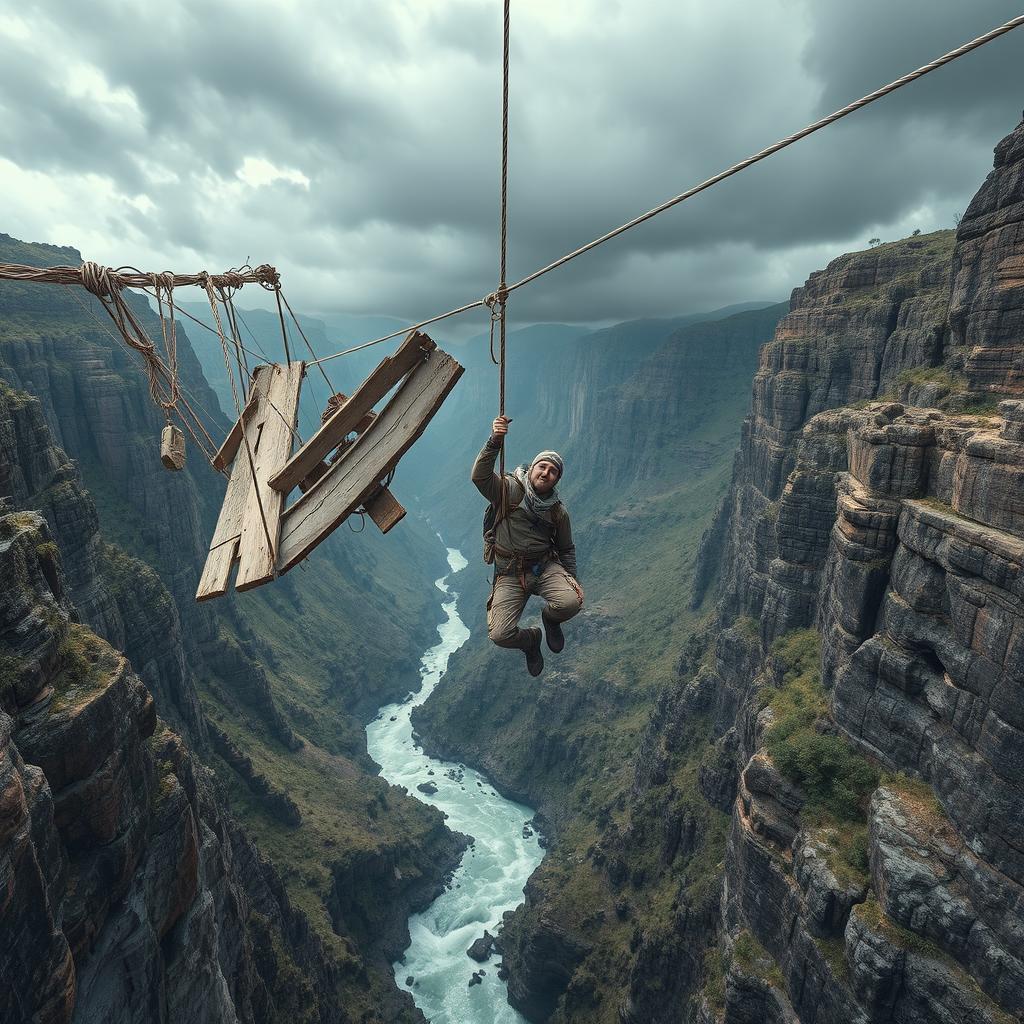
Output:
(355, 144)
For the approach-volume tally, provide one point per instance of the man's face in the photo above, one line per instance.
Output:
(543, 476)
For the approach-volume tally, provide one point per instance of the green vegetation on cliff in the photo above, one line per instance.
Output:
(836, 780)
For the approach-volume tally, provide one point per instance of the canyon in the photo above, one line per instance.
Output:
(778, 767)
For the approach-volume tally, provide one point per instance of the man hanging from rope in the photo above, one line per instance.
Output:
(530, 543)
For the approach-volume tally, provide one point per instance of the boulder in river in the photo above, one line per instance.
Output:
(475, 980)
(430, 788)
(481, 948)
(410, 980)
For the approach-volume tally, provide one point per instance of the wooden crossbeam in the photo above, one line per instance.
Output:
(383, 507)
(356, 475)
(224, 545)
(226, 455)
(262, 521)
(390, 371)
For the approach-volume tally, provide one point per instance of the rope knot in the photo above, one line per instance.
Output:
(100, 280)
(496, 302)
(268, 277)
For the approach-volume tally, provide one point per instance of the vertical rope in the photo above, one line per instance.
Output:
(284, 329)
(502, 296)
(243, 365)
(302, 334)
(241, 422)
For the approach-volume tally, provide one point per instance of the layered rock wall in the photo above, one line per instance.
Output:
(877, 500)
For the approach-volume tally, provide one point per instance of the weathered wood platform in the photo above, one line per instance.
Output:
(255, 529)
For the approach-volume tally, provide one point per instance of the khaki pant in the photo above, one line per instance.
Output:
(508, 600)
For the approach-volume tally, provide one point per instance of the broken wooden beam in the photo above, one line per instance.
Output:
(257, 549)
(390, 371)
(386, 510)
(338, 493)
(226, 455)
(224, 545)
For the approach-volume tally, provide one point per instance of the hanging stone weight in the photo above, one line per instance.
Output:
(172, 447)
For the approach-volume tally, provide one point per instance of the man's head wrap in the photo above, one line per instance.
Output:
(552, 457)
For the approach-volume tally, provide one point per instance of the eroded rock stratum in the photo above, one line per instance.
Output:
(870, 676)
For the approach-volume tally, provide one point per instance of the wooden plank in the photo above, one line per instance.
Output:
(276, 419)
(384, 509)
(229, 449)
(347, 418)
(375, 453)
(321, 467)
(224, 545)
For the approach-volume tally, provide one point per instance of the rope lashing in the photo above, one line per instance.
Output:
(734, 169)
(105, 281)
(108, 287)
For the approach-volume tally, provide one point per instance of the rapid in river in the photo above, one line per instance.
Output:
(493, 871)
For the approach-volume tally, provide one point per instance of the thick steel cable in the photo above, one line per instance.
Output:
(404, 330)
(781, 144)
(734, 169)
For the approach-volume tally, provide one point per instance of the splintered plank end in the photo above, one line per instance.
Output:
(229, 449)
(217, 571)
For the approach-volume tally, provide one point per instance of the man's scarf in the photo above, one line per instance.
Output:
(536, 504)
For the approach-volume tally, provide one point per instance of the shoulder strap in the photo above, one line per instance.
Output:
(510, 506)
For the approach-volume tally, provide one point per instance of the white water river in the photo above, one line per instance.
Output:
(493, 871)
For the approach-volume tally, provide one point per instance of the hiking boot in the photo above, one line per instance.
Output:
(553, 633)
(531, 647)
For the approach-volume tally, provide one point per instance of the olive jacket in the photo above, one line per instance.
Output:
(520, 531)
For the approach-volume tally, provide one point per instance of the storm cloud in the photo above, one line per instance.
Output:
(355, 145)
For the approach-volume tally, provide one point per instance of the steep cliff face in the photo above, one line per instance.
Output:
(122, 599)
(128, 894)
(131, 892)
(275, 720)
(814, 815)
(869, 674)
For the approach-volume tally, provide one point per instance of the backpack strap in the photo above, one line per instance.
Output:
(510, 506)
